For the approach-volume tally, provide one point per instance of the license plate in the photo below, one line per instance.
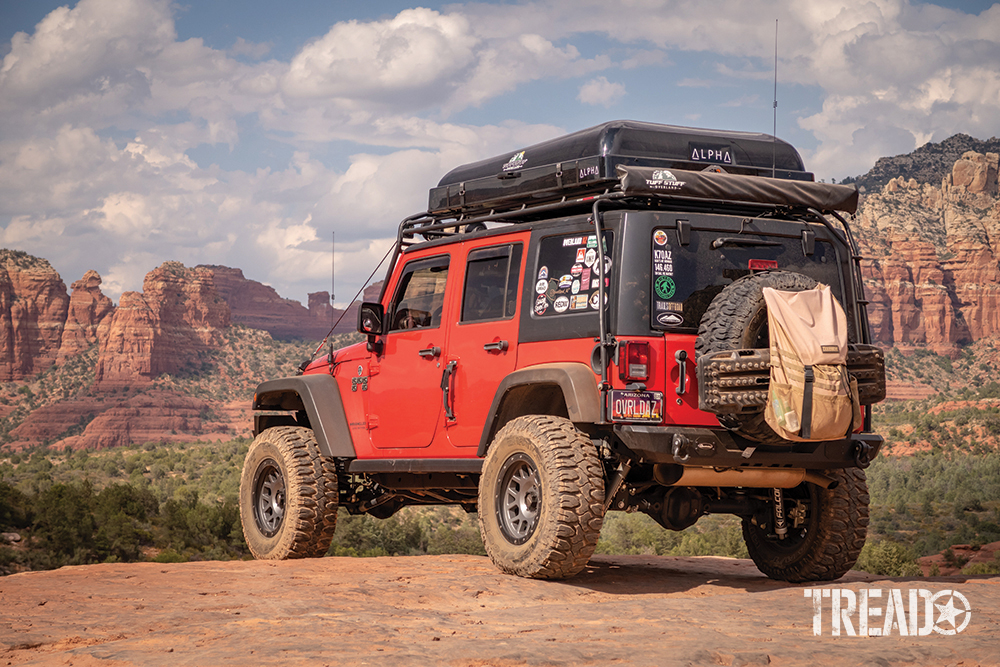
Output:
(636, 406)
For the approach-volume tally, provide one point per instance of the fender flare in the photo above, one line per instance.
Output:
(576, 381)
(319, 396)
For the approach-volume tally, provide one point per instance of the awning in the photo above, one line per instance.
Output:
(823, 197)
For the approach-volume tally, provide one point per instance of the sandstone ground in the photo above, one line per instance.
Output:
(457, 610)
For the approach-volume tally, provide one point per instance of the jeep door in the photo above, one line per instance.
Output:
(483, 339)
(405, 395)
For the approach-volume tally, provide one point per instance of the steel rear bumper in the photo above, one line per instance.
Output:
(722, 449)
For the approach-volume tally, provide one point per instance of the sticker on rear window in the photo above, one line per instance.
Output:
(669, 319)
(568, 274)
(665, 287)
(664, 313)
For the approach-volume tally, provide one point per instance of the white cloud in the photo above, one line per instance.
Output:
(79, 60)
(418, 51)
(601, 92)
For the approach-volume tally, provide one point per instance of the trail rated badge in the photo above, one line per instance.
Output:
(664, 287)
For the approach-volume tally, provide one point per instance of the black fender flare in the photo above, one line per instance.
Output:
(576, 381)
(319, 396)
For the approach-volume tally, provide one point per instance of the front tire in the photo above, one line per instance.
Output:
(829, 542)
(288, 495)
(541, 498)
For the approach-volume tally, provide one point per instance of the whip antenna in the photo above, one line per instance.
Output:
(774, 131)
(333, 275)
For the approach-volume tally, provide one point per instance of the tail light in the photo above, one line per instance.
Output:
(633, 361)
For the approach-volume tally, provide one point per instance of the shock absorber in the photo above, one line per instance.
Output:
(780, 524)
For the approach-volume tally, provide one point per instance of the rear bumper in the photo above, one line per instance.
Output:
(721, 449)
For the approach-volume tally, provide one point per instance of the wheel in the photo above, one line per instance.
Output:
(288, 495)
(737, 319)
(541, 498)
(829, 540)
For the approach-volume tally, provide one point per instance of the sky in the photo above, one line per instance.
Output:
(248, 134)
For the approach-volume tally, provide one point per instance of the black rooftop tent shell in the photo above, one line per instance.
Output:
(586, 161)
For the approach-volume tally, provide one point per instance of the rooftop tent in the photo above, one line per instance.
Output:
(586, 161)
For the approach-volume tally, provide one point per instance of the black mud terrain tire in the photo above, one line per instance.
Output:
(827, 545)
(541, 498)
(288, 495)
(737, 320)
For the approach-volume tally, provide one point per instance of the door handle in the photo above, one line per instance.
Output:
(430, 352)
(498, 346)
(446, 375)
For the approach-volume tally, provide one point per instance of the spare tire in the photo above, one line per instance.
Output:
(737, 320)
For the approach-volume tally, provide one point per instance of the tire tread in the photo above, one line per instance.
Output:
(311, 496)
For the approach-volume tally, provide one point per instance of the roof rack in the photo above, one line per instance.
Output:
(655, 187)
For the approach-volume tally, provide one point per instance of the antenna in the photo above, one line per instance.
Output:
(774, 131)
(333, 275)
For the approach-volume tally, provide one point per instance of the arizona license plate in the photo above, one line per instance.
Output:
(636, 406)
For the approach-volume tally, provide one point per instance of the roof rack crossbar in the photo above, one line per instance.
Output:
(425, 222)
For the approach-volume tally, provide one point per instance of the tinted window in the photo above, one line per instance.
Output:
(420, 296)
(491, 283)
(685, 279)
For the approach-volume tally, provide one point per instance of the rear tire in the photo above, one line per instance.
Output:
(829, 542)
(288, 495)
(541, 498)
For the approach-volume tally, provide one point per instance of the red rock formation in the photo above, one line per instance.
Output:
(178, 316)
(153, 416)
(259, 306)
(935, 277)
(33, 307)
(88, 317)
(55, 422)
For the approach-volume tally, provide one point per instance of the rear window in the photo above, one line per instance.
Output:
(685, 278)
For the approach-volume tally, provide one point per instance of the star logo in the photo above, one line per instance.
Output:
(957, 617)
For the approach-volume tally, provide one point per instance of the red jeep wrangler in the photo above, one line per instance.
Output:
(576, 328)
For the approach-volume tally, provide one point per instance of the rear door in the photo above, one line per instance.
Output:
(406, 395)
(483, 340)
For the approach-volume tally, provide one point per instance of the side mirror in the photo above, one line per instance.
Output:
(371, 319)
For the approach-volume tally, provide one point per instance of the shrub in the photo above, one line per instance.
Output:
(888, 559)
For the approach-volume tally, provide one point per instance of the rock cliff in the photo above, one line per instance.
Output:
(934, 276)
(259, 306)
(178, 315)
(33, 308)
(928, 164)
(88, 318)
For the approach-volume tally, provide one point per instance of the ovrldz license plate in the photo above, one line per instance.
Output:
(636, 406)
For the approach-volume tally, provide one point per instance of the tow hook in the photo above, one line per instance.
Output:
(862, 454)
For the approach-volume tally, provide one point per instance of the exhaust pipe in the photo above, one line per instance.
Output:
(670, 474)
